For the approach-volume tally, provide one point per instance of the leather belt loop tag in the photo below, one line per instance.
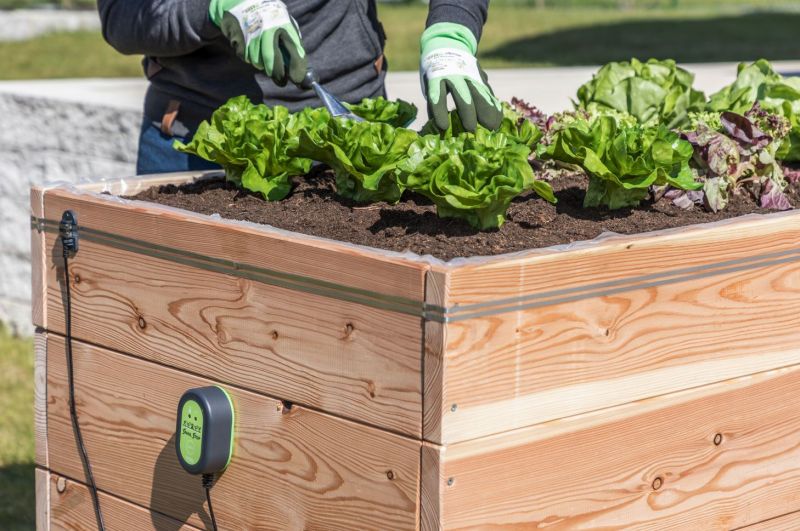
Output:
(169, 116)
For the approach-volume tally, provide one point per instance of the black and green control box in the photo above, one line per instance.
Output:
(204, 430)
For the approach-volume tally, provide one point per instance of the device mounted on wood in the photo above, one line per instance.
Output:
(204, 431)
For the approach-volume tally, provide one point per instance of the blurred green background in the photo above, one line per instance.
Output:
(520, 33)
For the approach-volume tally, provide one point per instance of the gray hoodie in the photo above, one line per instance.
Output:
(191, 64)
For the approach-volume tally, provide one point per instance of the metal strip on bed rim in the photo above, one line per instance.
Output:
(250, 272)
(420, 308)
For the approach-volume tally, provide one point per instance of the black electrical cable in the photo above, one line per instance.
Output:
(208, 482)
(69, 244)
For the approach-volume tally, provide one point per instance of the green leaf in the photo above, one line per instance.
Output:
(622, 159)
(471, 176)
(363, 155)
(655, 92)
(395, 113)
(256, 145)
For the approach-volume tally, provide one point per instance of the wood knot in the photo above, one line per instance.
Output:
(371, 389)
(287, 406)
(275, 335)
(657, 483)
(390, 475)
(76, 279)
(142, 323)
(717, 439)
(348, 330)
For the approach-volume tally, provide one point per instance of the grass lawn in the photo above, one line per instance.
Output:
(515, 36)
(16, 433)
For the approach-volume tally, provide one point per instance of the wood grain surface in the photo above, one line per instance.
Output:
(520, 368)
(432, 485)
(787, 522)
(433, 359)
(292, 468)
(38, 262)
(623, 256)
(249, 244)
(42, 489)
(40, 397)
(341, 357)
(71, 508)
(715, 458)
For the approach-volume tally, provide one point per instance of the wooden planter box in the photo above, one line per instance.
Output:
(646, 382)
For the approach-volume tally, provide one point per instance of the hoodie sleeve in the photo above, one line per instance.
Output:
(469, 13)
(160, 28)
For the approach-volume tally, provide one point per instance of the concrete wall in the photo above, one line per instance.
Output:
(44, 141)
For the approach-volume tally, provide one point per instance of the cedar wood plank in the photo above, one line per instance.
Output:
(622, 257)
(653, 464)
(433, 357)
(42, 490)
(40, 396)
(787, 522)
(71, 507)
(246, 244)
(341, 357)
(518, 368)
(38, 260)
(292, 468)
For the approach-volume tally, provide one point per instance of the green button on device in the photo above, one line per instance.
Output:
(204, 430)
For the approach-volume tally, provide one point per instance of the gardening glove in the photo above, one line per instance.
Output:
(449, 65)
(263, 34)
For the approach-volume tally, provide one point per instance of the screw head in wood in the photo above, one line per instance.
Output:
(61, 485)
(450, 481)
(717, 439)
(454, 407)
(657, 483)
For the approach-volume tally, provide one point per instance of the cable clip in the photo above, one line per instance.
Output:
(68, 231)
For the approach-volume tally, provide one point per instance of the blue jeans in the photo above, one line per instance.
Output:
(156, 154)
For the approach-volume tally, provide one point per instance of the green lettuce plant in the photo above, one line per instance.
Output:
(363, 155)
(471, 176)
(655, 92)
(623, 159)
(256, 145)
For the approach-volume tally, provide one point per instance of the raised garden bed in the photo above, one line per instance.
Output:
(644, 380)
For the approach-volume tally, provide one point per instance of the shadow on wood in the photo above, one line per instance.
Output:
(731, 38)
(169, 477)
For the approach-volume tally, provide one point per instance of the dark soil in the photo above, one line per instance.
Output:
(314, 208)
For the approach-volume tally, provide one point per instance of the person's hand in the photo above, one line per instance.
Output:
(449, 65)
(263, 34)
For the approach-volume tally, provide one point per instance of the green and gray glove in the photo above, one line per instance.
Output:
(449, 65)
(263, 34)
